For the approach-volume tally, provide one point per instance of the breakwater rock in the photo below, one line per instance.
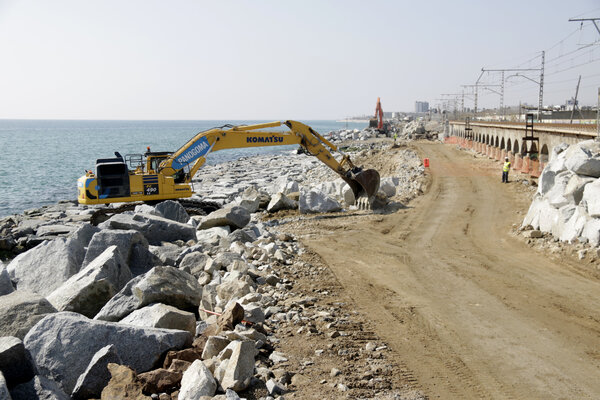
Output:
(412, 130)
(153, 302)
(567, 202)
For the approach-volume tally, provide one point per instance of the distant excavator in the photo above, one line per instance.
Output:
(377, 121)
(157, 176)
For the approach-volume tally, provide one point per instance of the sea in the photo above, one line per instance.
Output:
(41, 160)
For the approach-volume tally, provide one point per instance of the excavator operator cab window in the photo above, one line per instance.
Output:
(155, 163)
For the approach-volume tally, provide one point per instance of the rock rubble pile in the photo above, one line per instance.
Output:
(412, 130)
(567, 202)
(155, 303)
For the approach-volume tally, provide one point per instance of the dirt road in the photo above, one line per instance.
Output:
(471, 311)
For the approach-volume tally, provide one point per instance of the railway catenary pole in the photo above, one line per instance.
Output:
(575, 100)
(541, 98)
(587, 19)
(478, 85)
(502, 85)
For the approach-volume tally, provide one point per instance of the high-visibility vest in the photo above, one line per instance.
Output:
(506, 167)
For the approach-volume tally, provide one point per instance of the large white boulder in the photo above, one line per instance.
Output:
(574, 226)
(96, 376)
(240, 367)
(591, 231)
(87, 291)
(21, 310)
(213, 234)
(172, 210)
(314, 201)
(555, 195)
(388, 187)
(556, 165)
(235, 217)
(63, 344)
(533, 214)
(548, 218)
(162, 284)
(154, 228)
(124, 240)
(546, 181)
(591, 198)
(561, 218)
(558, 149)
(194, 262)
(573, 191)
(583, 158)
(283, 184)
(197, 382)
(281, 202)
(47, 266)
(162, 316)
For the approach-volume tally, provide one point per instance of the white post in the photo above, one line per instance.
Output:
(598, 116)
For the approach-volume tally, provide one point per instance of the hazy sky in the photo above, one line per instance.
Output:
(180, 59)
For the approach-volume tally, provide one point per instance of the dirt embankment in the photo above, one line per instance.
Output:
(464, 308)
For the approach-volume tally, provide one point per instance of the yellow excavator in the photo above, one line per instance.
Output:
(165, 175)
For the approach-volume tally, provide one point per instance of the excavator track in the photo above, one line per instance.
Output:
(192, 207)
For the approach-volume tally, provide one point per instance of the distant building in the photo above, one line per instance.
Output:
(421, 106)
(571, 103)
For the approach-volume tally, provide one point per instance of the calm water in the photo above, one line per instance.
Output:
(40, 160)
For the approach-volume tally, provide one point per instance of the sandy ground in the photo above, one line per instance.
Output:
(464, 308)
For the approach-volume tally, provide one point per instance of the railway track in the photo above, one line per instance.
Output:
(542, 126)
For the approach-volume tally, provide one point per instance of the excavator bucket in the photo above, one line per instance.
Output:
(364, 183)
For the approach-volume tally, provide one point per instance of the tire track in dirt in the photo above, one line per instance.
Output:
(469, 311)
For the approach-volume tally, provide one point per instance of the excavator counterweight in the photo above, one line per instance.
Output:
(167, 175)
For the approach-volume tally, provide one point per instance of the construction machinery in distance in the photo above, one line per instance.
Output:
(377, 121)
(157, 176)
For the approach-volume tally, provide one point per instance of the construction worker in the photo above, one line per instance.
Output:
(505, 169)
(395, 137)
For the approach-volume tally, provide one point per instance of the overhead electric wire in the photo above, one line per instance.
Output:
(587, 12)
(574, 66)
(571, 52)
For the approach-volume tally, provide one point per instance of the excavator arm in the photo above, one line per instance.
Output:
(113, 182)
(191, 156)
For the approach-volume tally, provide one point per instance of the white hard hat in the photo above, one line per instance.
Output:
(505, 158)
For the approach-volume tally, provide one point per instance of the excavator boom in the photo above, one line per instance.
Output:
(114, 182)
